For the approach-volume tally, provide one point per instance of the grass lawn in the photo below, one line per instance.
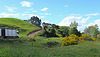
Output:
(22, 26)
(38, 49)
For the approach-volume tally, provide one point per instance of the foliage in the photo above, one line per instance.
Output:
(80, 39)
(98, 36)
(45, 24)
(31, 39)
(52, 32)
(70, 40)
(35, 20)
(59, 35)
(86, 37)
(73, 39)
(22, 26)
(92, 31)
(63, 31)
(55, 26)
(51, 43)
(48, 32)
(75, 24)
(74, 31)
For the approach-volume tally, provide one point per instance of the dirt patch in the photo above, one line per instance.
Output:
(34, 33)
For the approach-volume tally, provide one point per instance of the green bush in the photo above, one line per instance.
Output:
(50, 44)
(98, 36)
(31, 39)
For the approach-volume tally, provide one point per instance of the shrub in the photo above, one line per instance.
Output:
(86, 37)
(97, 39)
(50, 44)
(71, 40)
(98, 36)
(59, 35)
(31, 39)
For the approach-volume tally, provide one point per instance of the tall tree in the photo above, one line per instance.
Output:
(55, 26)
(74, 24)
(74, 31)
(35, 20)
(98, 36)
(92, 31)
(63, 30)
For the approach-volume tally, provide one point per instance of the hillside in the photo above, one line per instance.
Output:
(22, 26)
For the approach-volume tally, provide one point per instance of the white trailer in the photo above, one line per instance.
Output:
(0, 32)
(9, 33)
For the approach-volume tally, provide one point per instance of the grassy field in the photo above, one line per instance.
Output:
(21, 48)
(22, 26)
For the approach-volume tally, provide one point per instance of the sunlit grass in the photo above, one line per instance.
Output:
(37, 49)
(22, 26)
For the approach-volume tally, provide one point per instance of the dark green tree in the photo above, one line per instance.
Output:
(55, 26)
(63, 30)
(74, 31)
(52, 32)
(36, 21)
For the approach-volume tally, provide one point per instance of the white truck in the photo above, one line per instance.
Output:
(9, 33)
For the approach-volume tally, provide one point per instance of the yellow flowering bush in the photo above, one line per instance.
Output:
(31, 39)
(27, 39)
(80, 39)
(71, 40)
(60, 37)
(97, 39)
(86, 37)
(94, 39)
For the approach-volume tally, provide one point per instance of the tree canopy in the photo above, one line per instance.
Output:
(74, 24)
(92, 31)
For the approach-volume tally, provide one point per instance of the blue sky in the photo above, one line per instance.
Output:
(61, 12)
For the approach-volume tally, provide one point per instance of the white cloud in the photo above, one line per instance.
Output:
(18, 15)
(45, 13)
(29, 15)
(82, 27)
(10, 9)
(26, 4)
(84, 20)
(93, 14)
(75, 14)
(97, 22)
(66, 6)
(81, 22)
(46, 21)
(8, 15)
(44, 9)
(68, 20)
(26, 12)
(35, 11)
(30, 9)
(42, 17)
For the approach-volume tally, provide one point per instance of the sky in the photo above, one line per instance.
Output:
(60, 12)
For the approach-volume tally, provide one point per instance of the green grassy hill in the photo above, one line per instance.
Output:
(22, 26)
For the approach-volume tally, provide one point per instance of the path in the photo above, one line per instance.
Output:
(34, 33)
